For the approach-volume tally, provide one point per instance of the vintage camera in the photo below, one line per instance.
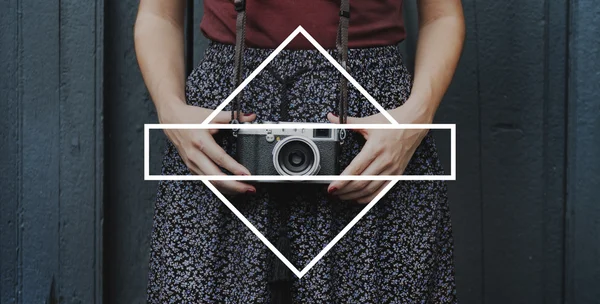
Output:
(297, 151)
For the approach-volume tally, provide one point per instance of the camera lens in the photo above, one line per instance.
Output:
(296, 155)
(296, 158)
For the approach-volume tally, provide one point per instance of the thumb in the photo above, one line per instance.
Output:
(350, 120)
(336, 119)
(225, 117)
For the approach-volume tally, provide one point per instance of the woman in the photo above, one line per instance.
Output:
(400, 252)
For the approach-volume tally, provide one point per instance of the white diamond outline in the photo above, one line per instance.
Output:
(299, 30)
(395, 125)
(317, 258)
(393, 180)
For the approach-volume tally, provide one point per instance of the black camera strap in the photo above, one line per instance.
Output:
(280, 277)
(342, 56)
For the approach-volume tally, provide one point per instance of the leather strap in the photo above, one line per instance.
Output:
(240, 38)
(341, 46)
(281, 276)
(342, 49)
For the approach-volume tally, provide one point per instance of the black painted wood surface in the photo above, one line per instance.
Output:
(583, 147)
(525, 207)
(52, 151)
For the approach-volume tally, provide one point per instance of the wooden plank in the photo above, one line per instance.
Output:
(10, 145)
(411, 25)
(129, 200)
(200, 42)
(40, 149)
(461, 106)
(78, 184)
(583, 180)
(513, 116)
(99, 165)
(554, 151)
(189, 36)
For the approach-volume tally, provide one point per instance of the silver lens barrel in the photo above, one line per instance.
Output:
(296, 155)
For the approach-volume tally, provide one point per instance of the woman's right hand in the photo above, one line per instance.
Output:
(198, 149)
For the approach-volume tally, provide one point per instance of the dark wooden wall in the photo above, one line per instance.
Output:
(525, 207)
(582, 269)
(51, 142)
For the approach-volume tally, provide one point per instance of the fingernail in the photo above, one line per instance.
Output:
(250, 191)
(248, 114)
(334, 114)
(332, 190)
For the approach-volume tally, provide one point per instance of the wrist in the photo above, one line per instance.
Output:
(169, 111)
(416, 110)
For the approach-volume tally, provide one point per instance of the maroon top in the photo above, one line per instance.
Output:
(269, 22)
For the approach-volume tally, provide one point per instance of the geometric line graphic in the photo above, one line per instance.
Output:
(392, 178)
(450, 127)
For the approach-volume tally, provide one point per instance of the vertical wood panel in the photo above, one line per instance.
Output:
(411, 25)
(508, 99)
(78, 177)
(100, 152)
(49, 120)
(200, 42)
(511, 39)
(10, 145)
(129, 200)
(583, 180)
(40, 153)
(554, 150)
(461, 106)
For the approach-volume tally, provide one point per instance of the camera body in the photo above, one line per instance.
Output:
(295, 151)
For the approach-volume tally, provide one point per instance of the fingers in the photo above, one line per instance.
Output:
(205, 166)
(364, 192)
(247, 117)
(358, 188)
(351, 120)
(362, 160)
(225, 117)
(222, 117)
(369, 198)
(233, 187)
(192, 166)
(363, 189)
(208, 146)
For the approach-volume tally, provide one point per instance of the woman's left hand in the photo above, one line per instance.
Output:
(386, 152)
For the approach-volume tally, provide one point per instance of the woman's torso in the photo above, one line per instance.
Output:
(269, 23)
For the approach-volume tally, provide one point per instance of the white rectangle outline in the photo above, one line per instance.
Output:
(450, 177)
(393, 179)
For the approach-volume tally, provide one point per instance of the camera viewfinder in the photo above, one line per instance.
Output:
(322, 133)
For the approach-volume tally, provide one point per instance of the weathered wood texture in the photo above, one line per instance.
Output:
(129, 199)
(583, 148)
(51, 110)
(525, 206)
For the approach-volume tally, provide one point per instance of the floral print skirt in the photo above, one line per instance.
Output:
(401, 251)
